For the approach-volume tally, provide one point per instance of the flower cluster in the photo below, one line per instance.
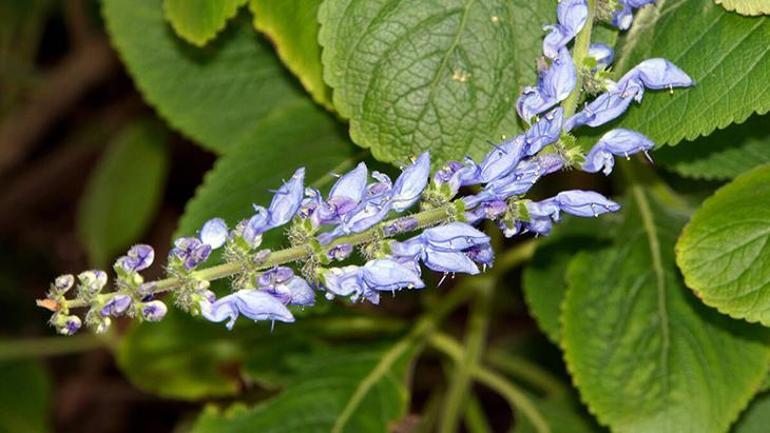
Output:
(324, 231)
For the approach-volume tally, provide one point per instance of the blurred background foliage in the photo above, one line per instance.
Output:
(131, 120)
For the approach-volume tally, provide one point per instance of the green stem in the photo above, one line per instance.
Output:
(516, 398)
(424, 219)
(579, 53)
(526, 371)
(475, 420)
(478, 326)
(48, 346)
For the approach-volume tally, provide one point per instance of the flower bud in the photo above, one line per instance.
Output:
(66, 324)
(92, 282)
(153, 311)
(62, 284)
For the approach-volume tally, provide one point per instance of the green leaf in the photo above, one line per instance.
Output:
(645, 354)
(24, 397)
(544, 281)
(346, 391)
(765, 385)
(441, 76)
(124, 190)
(215, 95)
(293, 28)
(300, 135)
(724, 252)
(563, 415)
(756, 419)
(198, 21)
(732, 81)
(746, 7)
(722, 155)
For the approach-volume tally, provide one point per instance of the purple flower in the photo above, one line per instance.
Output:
(252, 303)
(409, 186)
(153, 311)
(456, 174)
(624, 16)
(66, 324)
(339, 252)
(585, 203)
(602, 54)
(443, 248)
(116, 306)
(63, 283)
(344, 196)
(527, 173)
(285, 204)
(572, 16)
(389, 275)
(93, 281)
(489, 209)
(651, 73)
(553, 86)
(344, 281)
(214, 233)
(620, 142)
(482, 254)
(138, 258)
(288, 288)
(500, 161)
(190, 251)
(544, 132)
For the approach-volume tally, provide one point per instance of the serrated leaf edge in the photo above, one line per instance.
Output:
(200, 42)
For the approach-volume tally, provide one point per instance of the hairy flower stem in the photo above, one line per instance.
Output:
(478, 328)
(579, 53)
(427, 218)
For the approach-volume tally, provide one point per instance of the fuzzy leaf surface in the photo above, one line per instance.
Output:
(727, 55)
(724, 252)
(746, 7)
(430, 75)
(646, 355)
(214, 95)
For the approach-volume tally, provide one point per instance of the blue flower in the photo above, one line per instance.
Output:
(585, 203)
(389, 275)
(443, 248)
(138, 258)
(190, 252)
(409, 186)
(66, 324)
(214, 232)
(624, 16)
(285, 204)
(620, 142)
(602, 54)
(288, 288)
(553, 86)
(652, 74)
(544, 132)
(572, 16)
(92, 282)
(63, 283)
(116, 306)
(521, 180)
(253, 303)
(344, 196)
(153, 311)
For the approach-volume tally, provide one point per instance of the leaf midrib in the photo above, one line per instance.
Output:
(648, 223)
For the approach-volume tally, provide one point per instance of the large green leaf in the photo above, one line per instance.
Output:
(198, 21)
(124, 190)
(724, 252)
(293, 28)
(347, 391)
(24, 397)
(756, 419)
(216, 94)
(298, 135)
(722, 155)
(727, 55)
(645, 354)
(430, 75)
(746, 7)
(544, 280)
